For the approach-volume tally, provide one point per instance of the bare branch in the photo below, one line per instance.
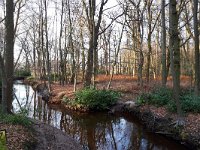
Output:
(114, 19)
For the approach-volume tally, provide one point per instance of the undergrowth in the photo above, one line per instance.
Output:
(164, 97)
(15, 119)
(94, 99)
(23, 72)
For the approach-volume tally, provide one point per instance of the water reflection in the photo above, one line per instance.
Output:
(97, 131)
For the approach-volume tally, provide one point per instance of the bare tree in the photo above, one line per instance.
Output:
(7, 64)
(116, 55)
(48, 65)
(163, 45)
(93, 27)
(174, 46)
(196, 41)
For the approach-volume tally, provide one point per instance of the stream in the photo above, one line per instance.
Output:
(95, 131)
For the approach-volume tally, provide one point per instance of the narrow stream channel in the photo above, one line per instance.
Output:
(97, 131)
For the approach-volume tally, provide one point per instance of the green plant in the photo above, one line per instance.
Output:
(164, 97)
(158, 97)
(67, 100)
(189, 103)
(23, 111)
(143, 98)
(15, 119)
(23, 72)
(171, 106)
(96, 99)
(3, 140)
(161, 96)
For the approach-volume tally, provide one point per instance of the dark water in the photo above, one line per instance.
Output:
(96, 131)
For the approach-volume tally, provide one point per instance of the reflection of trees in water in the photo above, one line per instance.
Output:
(24, 102)
(41, 110)
(97, 131)
(105, 132)
(29, 98)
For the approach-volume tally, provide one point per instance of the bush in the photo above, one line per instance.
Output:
(161, 96)
(143, 98)
(189, 103)
(15, 119)
(158, 97)
(23, 73)
(164, 97)
(96, 99)
(171, 106)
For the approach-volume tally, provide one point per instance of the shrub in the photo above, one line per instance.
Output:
(143, 98)
(164, 97)
(171, 106)
(65, 100)
(15, 119)
(158, 97)
(94, 99)
(161, 96)
(189, 103)
(23, 73)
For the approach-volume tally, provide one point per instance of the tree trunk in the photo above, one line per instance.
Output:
(82, 54)
(116, 55)
(48, 65)
(3, 84)
(88, 74)
(71, 45)
(174, 45)
(93, 27)
(61, 72)
(7, 94)
(196, 41)
(149, 40)
(163, 46)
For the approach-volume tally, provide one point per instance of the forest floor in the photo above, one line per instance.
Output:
(129, 89)
(126, 85)
(39, 136)
(17, 136)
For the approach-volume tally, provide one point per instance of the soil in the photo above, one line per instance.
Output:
(18, 137)
(39, 137)
(50, 138)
